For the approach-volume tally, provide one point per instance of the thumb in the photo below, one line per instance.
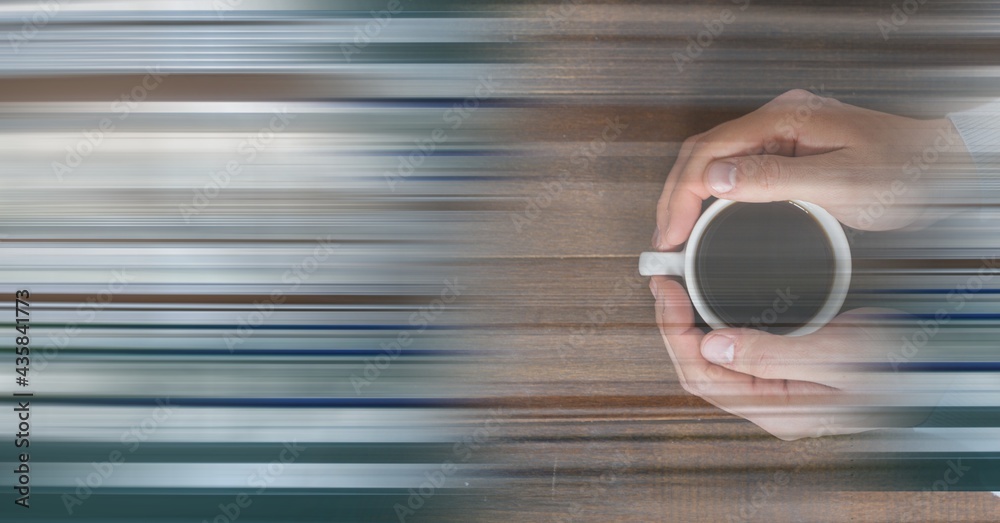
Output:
(770, 178)
(764, 355)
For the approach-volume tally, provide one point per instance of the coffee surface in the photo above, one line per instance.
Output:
(767, 266)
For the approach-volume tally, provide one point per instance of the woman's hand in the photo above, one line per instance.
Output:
(792, 387)
(871, 170)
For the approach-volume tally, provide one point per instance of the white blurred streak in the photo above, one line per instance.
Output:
(239, 425)
(236, 475)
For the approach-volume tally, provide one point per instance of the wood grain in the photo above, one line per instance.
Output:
(601, 430)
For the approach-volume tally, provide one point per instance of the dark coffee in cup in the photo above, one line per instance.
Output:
(767, 266)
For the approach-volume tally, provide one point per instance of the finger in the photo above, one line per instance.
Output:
(682, 211)
(770, 178)
(822, 357)
(683, 204)
(764, 402)
(764, 131)
(675, 317)
(662, 215)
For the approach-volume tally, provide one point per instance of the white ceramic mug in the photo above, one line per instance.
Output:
(683, 264)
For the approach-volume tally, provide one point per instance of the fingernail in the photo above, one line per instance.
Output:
(719, 349)
(722, 176)
(662, 243)
(656, 237)
(653, 287)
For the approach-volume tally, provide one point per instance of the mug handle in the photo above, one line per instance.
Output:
(661, 264)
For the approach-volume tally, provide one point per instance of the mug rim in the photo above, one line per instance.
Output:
(842, 266)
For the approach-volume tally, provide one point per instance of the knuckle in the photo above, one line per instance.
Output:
(687, 387)
(691, 143)
(698, 148)
(787, 435)
(753, 357)
(781, 429)
(698, 387)
(763, 170)
(770, 427)
(746, 166)
(802, 104)
(713, 374)
(794, 95)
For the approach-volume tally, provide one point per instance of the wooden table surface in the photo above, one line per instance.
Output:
(600, 428)
(594, 425)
